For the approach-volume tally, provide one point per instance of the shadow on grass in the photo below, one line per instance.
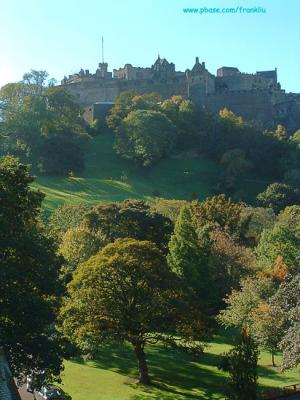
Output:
(175, 375)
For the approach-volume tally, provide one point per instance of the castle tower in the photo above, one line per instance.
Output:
(102, 71)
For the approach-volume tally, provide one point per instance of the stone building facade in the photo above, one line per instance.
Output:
(253, 96)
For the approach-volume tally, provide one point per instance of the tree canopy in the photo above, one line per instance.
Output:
(127, 292)
(29, 270)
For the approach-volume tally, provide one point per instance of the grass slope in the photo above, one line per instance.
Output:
(109, 178)
(176, 376)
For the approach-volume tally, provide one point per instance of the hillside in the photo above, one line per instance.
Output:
(109, 178)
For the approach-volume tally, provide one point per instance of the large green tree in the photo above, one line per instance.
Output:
(188, 255)
(286, 303)
(42, 124)
(281, 240)
(145, 136)
(127, 293)
(131, 218)
(131, 101)
(278, 196)
(29, 270)
(218, 210)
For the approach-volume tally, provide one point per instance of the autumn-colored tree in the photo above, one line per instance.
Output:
(268, 327)
(218, 210)
(279, 241)
(229, 262)
(281, 133)
(241, 303)
(280, 271)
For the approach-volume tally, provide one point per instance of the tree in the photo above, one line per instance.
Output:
(241, 363)
(145, 136)
(267, 328)
(281, 133)
(42, 125)
(126, 292)
(184, 116)
(131, 101)
(278, 196)
(235, 164)
(131, 218)
(29, 270)
(279, 241)
(250, 309)
(253, 220)
(286, 302)
(77, 246)
(188, 256)
(241, 303)
(228, 263)
(218, 210)
(290, 218)
(64, 217)
(61, 155)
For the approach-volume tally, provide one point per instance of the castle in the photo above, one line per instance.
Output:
(256, 97)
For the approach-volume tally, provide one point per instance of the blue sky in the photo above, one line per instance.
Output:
(62, 36)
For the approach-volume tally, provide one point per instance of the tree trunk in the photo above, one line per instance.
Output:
(142, 364)
(273, 360)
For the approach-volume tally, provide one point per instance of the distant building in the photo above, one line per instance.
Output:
(255, 96)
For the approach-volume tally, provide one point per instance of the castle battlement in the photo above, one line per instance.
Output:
(251, 95)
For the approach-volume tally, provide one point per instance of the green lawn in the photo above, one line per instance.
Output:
(175, 375)
(109, 178)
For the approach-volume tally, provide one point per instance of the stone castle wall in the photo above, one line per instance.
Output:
(90, 92)
(253, 96)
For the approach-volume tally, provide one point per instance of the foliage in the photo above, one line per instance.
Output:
(287, 301)
(131, 218)
(279, 241)
(290, 218)
(218, 210)
(131, 101)
(280, 132)
(278, 196)
(188, 255)
(127, 293)
(241, 363)
(61, 155)
(168, 208)
(77, 246)
(66, 217)
(241, 303)
(268, 327)
(42, 124)
(145, 136)
(185, 116)
(235, 164)
(228, 263)
(29, 271)
(253, 220)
